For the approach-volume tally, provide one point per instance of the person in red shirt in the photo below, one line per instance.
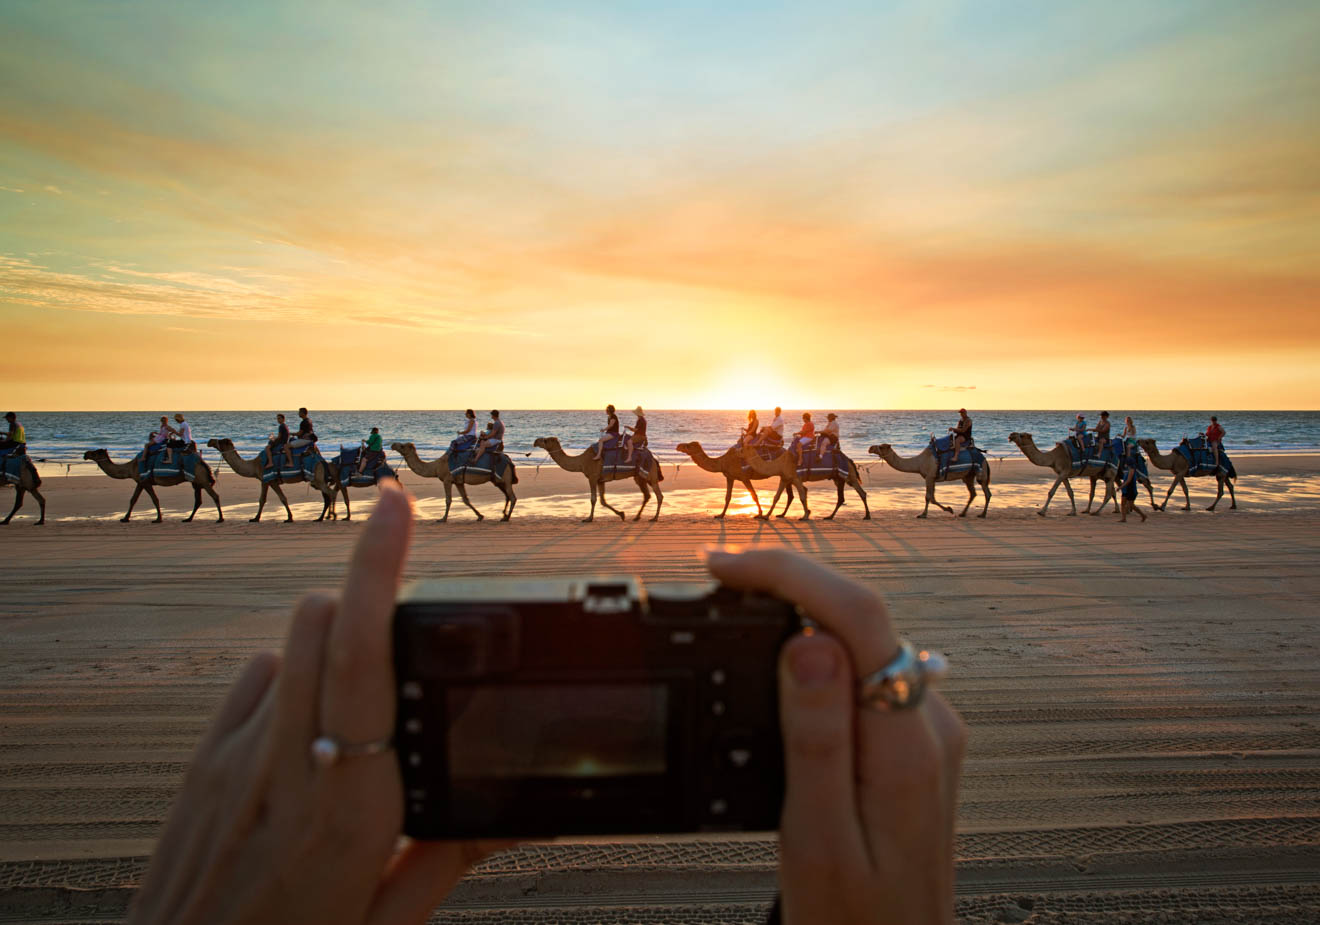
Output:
(806, 436)
(1214, 438)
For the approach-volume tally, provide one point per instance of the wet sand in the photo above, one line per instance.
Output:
(1144, 700)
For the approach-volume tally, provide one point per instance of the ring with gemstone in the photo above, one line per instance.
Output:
(328, 751)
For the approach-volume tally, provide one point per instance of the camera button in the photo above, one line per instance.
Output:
(717, 676)
(739, 757)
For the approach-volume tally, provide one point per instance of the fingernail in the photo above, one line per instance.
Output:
(814, 663)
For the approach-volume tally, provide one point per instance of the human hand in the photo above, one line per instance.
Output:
(259, 834)
(867, 829)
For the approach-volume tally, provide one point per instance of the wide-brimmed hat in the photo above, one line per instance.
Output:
(831, 416)
(637, 410)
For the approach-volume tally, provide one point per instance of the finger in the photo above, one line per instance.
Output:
(298, 689)
(357, 684)
(847, 609)
(820, 820)
(422, 875)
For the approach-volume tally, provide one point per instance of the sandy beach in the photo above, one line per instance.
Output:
(1143, 700)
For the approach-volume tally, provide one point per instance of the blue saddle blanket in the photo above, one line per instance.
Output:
(491, 462)
(304, 465)
(970, 458)
(1201, 460)
(1090, 456)
(831, 461)
(181, 465)
(345, 466)
(11, 465)
(612, 461)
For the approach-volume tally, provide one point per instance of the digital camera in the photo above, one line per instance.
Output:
(584, 706)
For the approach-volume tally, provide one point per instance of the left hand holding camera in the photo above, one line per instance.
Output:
(261, 832)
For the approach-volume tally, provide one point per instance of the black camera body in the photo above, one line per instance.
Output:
(588, 706)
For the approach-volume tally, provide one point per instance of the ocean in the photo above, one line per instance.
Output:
(61, 438)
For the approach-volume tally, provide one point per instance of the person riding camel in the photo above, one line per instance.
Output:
(804, 438)
(828, 438)
(181, 441)
(277, 442)
(637, 439)
(1214, 438)
(306, 437)
(751, 434)
(467, 437)
(373, 449)
(609, 437)
(157, 443)
(1079, 435)
(492, 441)
(1102, 434)
(15, 438)
(962, 437)
(773, 432)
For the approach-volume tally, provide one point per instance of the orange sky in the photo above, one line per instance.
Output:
(916, 207)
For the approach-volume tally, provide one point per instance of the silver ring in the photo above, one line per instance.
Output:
(327, 751)
(901, 684)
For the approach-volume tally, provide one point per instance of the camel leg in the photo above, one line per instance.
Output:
(449, 499)
(646, 496)
(1187, 499)
(659, 495)
(1229, 482)
(1168, 494)
(930, 496)
(728, 494)
(605, 504)
(752, 490)
(1110, 492)
(1150, 489)
(210, 490)
(261, 503)
(18, 503)
(970, 481)
(462, 493)
(1091, 498)
(348, 510)
(985, 488)
(802, 491)
(775, 503)
(592, 516)
(856, 482)
(1067, 486)
(510, 499)
(197, 502)
(137, 493)
(838, 484)
(1061, 480)
(279, 493)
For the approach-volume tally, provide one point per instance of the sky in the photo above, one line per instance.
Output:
(1011, 204)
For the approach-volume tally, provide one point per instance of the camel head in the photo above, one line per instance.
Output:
(223, 444)
(1019, 439)
(548, 444)
(95, 455)
(687, 448)
(1147, 444)
(881, 449)
(403, 448)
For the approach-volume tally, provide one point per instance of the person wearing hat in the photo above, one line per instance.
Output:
(1079, 434)
(805, 437)
(638, 436)
(829, 435)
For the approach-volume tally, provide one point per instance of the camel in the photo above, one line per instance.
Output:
(28, 483)
(322, 480)
(439, 469)
(203, 481)
(785, 466)
(595, 471)
(730, 465)
(1177, 464)
(927, 466)
(1060, 460)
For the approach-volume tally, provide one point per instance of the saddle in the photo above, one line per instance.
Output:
(612, 461)
(969, 456)
(11, 464)
(1090, 455)
(831, 460)
(305, 459)
(183, 462)
(1201, 459)
(493, 461)
(345, 467)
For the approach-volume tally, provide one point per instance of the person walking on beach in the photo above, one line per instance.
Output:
(181, 441)
(1128, 491)
(492, 441)
(610, 435)
(637, 438)
(277, 442)
(1214, 438)
(467, 437)
(15, 438)
(804, 437)
(306, 436)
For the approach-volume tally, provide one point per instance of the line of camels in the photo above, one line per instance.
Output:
(739, 465)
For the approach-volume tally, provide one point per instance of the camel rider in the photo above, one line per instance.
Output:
(1079, 435)
(829, 435)
(637, 438)
(962, 433)
(1102, 434)
(774, 431)
(804, 437)
(15, 441)
(609, 437)
(156, 444)
(492, 441)
(305, 438)
(1129, 429)
(467, 437)
(181, 441)
(277, 442)
(373, 448)
(748, 437)
(1214, 438)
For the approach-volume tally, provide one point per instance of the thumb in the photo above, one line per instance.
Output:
(821, 823)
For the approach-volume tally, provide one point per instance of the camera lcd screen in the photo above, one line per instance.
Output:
(558, 730)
